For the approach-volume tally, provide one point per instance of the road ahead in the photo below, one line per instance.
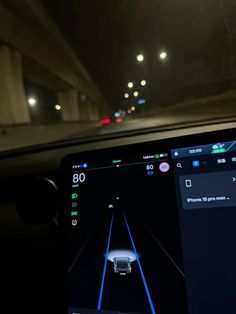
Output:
(28, 135)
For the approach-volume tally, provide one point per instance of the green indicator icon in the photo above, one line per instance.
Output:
(157, 156)
(74, 196)
(218, 151)
(116, 161)
(74, 213)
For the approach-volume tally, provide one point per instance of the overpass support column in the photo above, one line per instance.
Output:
(13, 103)
(88, 112)
(68, 99)
(94, 112)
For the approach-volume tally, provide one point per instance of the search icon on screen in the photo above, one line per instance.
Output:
(179, 165)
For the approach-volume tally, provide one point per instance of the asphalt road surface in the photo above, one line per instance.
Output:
(29, 135)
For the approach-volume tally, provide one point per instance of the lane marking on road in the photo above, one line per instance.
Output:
(164, 250)
(140, 268)
(105, 266)
(80, 251)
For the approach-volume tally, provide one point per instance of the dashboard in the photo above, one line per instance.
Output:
(147, 221)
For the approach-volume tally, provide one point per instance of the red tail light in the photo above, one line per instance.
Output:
(119, 120)
(105, 121)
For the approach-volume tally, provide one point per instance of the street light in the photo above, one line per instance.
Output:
(129, 111)
(32, 101)
(130, 85)
(83, 97)
(135, 94)
(133, 108)
(163, 55)
(58, 107)
(126, 95)
(140, 58)
(143, 82)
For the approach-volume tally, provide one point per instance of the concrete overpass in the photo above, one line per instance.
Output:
(32, 47)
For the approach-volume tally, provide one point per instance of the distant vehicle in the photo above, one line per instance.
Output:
(118, 120)
(122, 265)
(114, 203)
(105, 121)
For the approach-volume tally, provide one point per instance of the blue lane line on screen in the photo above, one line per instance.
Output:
(105, 266)
(140, 268)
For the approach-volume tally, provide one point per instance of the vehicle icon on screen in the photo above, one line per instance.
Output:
(122, 265)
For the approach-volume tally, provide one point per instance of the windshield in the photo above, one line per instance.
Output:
(72, 69)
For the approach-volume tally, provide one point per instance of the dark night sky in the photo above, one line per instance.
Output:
(199, 37)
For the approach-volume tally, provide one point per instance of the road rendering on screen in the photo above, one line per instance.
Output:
(123, 267)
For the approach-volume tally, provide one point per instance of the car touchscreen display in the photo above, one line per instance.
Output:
(151, 229)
